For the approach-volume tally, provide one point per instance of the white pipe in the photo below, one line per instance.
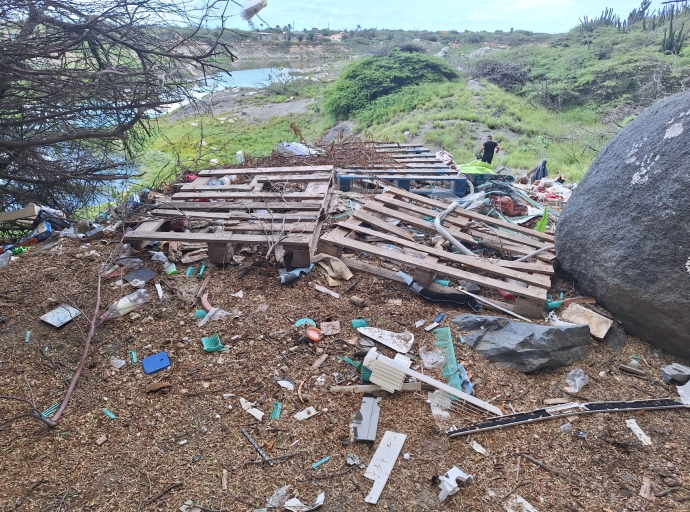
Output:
(547, 248)
(493, 305)
(444, 233)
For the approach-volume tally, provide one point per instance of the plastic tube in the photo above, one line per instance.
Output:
(444, 233)
(547, 248)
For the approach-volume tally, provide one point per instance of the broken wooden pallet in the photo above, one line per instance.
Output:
(278, 207)
(529, 281)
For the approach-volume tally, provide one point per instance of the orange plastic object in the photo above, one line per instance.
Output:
(314, 334)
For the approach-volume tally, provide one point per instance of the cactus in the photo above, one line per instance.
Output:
(673, 42)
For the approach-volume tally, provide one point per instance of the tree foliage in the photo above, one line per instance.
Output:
(374, 77)
(80, 83)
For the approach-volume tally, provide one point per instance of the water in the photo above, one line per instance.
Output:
(250, 78)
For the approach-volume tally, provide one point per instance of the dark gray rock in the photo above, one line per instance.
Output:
(624, 235)
(524, 347)
(616, 338)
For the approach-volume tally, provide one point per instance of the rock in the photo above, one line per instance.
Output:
(623, 235)
(525, 347)
(616, 338)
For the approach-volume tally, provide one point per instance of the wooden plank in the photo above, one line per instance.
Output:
(442, 269)
(266, 170)
(474, 215)
(259, 180)
(450, 219)
(478, 263)
(275, 227)
(223, 237)
(147, 228)
(382, 224)
(30, 211)
(398, 170)
(403, 176)
(187, 187)
(295, 178)
(287, 196)
(250, 205)
(276, 217)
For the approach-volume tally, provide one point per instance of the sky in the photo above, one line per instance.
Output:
(552, 16)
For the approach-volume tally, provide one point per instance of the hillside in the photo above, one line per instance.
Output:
(560, 97)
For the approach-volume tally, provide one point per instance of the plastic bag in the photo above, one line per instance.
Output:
(159, 256)
(5, 258)
(126, 305)
(432, 359)
(133, 263)
(577, 379)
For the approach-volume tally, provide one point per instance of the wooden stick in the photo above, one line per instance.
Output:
(288, 456)
(544, 466)
(165, 491)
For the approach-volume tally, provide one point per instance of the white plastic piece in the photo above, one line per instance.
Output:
(639, 433)
(249, 407)
(366, 421)
(306, 414)
(450, 482)
(61, 315)
(380, 364)
(419, 323)
(398, 341)
(159, 289)
(431, 326)
(684, 393)
(322, 289)
(478, 447)
(239, 295)
(382, 463)
(286, 384)
(517, 503)
(295, 505)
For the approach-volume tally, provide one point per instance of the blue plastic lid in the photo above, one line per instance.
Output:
(155, 363)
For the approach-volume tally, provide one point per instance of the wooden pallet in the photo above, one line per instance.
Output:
(261, 210)
(529, 281)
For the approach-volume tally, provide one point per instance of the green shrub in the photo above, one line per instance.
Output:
(375, 77)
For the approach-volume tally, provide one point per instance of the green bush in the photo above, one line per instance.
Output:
(374, 77)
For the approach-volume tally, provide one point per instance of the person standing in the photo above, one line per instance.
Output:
(488, 149)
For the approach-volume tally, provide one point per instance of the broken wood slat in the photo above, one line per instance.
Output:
(276, 180)
(240, 216)
(193, 258)
(223, 237)
(399, 171)
(473, 215)
(478, 263)
(287, 196)
(382, 224)
(277, 226)
(186, 187)
(426, 165)
(221, 206)
(370, 268)
(145, 228)
(266, 170)
(453, 219)
(294, 178)
(442, 269)
(30, 212)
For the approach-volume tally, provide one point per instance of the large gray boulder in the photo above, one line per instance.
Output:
(524, 347)
(624, 235)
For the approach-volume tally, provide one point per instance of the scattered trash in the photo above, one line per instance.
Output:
(432, 359)
(576, 379)
(647, 488)
(516, 503)
(141, 274)
(126, 305)
(249, 407)
(577, 314)
(675, 373)
(305, 321)
(213, 344)
(440, 317)
(306, 413)
(61, 315)
(275, 412)
(478, 447)
(199, 314)
(27, 337)
(319, 361)
(133, 356)
(400, 342)
(101, 440)
(159, 289)
(366, 421)
(314, 334)
(321, 289)
(639, 433)
(431, 326)
(419, 323)
(155, 363)
(291, 276)
(353, 460)
(451, 481)
(50, 410)
(453, 372)
(321, 462)
(382, 463)
(286, 384)
(116, 362)
(109, 414)
(295, 505)
(266, 459)
(567, 428)
(239, 295)
(359, 322)
(330, 328)
(358, 301)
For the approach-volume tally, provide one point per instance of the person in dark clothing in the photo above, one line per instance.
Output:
(488, 148)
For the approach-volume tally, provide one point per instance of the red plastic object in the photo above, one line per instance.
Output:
(505, 204)
(191, 177)
(314, 334)
(505, 294)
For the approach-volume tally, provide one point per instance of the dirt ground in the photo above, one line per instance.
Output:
(182, 440)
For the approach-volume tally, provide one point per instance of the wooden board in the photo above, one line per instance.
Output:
(267, 170)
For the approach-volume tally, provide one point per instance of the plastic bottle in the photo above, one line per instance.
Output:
(126, 304)
(5, 258)
(169, 268)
